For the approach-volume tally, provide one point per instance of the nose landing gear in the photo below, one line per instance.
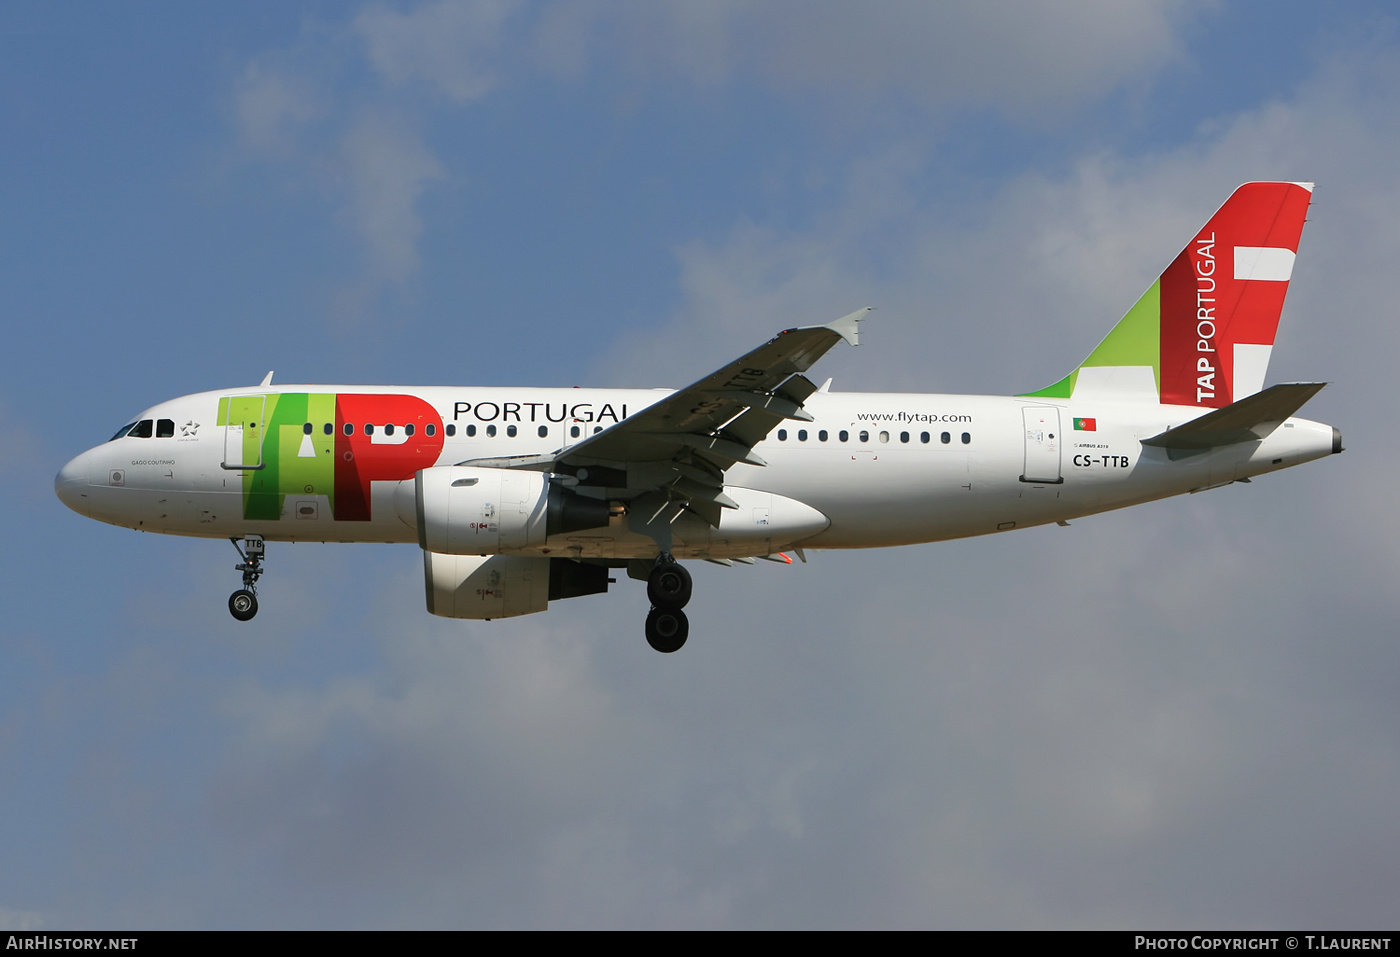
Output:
(669, 588)
(243, 604)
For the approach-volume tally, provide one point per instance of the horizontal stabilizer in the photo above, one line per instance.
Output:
(1248, 420)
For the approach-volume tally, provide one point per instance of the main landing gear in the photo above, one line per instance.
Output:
(243, 604)
(669, 587)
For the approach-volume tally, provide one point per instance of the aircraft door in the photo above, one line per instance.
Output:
(243, 431)
(1043, 442)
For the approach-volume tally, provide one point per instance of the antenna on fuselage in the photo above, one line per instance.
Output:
(267, 379)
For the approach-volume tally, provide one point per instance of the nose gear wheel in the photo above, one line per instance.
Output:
(243, 604)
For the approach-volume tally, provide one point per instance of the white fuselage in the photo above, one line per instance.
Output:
(881, 469)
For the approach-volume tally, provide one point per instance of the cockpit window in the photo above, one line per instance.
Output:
(165, 428)
(142, 429)
(122, 431)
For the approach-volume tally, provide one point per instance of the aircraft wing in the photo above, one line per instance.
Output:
(682, 445)
(725, 414)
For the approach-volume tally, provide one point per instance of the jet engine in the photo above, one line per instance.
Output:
(460, 510)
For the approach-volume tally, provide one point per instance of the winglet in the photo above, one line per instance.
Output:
(267, 379)
(847, 327)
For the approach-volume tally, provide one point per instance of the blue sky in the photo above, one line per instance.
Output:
(1181, 715)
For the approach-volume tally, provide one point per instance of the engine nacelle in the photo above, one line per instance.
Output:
(460, 510)
(504, 586)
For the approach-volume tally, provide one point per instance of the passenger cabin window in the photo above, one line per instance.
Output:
(864, 436)
(884, 436)
(923, 437)
(822, 435)
(165, 428)
(389, 429)
(802, 435)
(369, 429)
(573, 432)
(510, 431)
(328, 428)
(904, 436)
(491, 431)
(945, 438)
(966, 437)
(544, 431)
(782, 435)
(306, 429)
(843, 435)
(471, 431)
(430, 430)
(408, 429)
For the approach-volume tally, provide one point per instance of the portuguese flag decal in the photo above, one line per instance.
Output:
(1086, 425)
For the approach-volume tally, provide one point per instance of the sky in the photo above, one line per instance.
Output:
(1181, 715)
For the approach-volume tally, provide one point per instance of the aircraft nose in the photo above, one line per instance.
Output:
(71, 485)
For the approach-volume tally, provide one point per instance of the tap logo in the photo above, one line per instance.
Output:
(332, 445)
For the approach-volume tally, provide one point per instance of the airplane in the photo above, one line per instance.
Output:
(522, 496)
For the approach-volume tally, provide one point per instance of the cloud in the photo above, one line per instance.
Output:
(273, 107)
(21, 920)
(1004, 55)
(310, 108)
(451, 46)
(27, 466)
(358, 140)
(388, 167)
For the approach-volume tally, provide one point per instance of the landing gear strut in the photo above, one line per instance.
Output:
(669, 588)
(243, 604)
